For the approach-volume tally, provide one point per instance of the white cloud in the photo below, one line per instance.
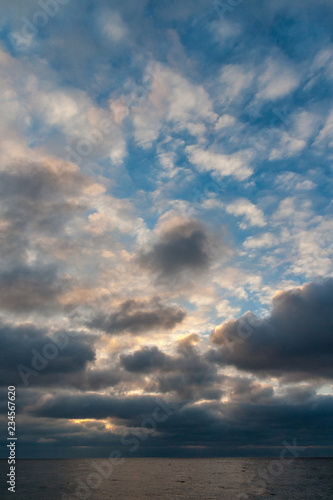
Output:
(314, 251)
(287, 210)
(278, 80)
(289, 181)
(112, 26)
(57, 107)
(225, 121)
(174, 103)
(31, 95)
(224, 30)
(234, 79)
(306, 185)
(308, 242)
(326, 133)
(304, 125)
(288, 147)
(225, 310)
(147, 124)
(263, 241)
(235, 165)
(322, 65)
(244, 207)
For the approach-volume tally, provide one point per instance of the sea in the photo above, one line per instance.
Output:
(175, 478)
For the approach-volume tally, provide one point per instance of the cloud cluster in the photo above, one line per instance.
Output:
(34, 355)
(294, 341)
(136, 137)
(185, 247)
(138, 317)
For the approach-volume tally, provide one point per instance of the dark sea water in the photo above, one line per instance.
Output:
(163, 478)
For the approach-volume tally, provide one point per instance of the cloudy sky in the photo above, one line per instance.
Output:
(166, 226)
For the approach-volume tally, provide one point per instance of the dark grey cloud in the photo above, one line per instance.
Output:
(296, 340)
(145, 360)
(209, 428)
(37, 201)
(41, 196)
(185, 247)
(138, 317)
(33, 355)
(98, 406)
(43, 181)
(25, 288)
(225, 427)
(193, 376)
(48, 438)
(187, 373)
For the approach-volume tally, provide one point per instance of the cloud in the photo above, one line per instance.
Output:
(49, 355)
(218, 429)
(170, 110)
(289, 181)
(27, 288)
(253, 214)
(277, 80)
(305, 124)
(308, 238)
(138, 317)
(112, 26)
(185, 247)
(222, 165)
(288, 147)
(326, 133)
(38, 201)
(186, 373)
(295, 340)
(223, 31)
(43, 196)
(173, 101)
(265, 240)
(189, 374)
(145, 360)
(234, 80)
(225, 121)
(96, 406)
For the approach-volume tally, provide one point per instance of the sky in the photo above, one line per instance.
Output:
(166, 284)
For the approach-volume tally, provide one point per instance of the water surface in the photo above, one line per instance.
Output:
(163, 478)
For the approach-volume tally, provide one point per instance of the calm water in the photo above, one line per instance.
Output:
(143, 479)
